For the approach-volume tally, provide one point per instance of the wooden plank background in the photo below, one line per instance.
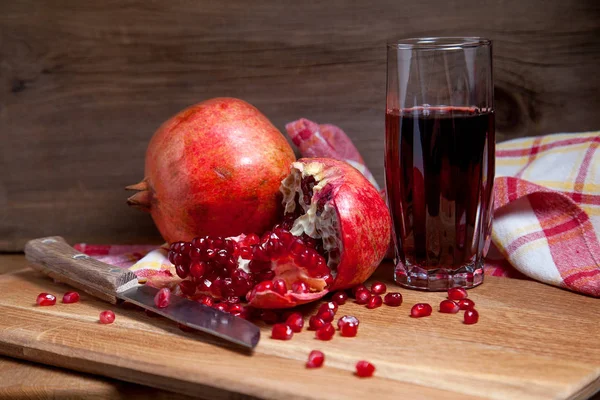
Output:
(83, 85)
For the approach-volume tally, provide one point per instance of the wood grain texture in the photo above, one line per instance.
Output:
(84, 85)
(54, 257)
(521, 347)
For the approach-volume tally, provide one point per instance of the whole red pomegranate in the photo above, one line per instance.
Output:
(333, 235)
(214, 169)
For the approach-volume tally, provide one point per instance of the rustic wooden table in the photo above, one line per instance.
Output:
(562, 362)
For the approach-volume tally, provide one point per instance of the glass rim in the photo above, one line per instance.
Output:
(439, 43)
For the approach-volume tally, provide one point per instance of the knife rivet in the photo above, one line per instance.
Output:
(81, 257)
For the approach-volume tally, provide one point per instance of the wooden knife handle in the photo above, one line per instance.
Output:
(55, 258)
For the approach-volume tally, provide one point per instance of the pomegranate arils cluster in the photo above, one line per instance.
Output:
(316, 359)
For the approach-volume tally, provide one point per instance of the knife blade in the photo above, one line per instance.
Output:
(54, 257)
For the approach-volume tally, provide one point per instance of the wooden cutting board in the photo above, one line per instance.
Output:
(532, 341)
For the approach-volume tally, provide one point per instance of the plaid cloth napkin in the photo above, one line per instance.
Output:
(547, 208)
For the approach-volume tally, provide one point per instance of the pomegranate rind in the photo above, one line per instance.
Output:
(214, 169)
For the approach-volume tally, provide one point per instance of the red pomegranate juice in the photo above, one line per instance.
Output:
(439, 181)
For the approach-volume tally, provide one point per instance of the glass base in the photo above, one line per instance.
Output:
(438, 279)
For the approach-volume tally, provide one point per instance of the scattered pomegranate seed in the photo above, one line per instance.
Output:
(393, 299)
(326, 315)
(326, 332)
(364, 369)
(340, 298)
(279, 287)
(378, 288)
(269, 316)
(315, 323)
(375, 301)
(70, 297)
(449, 307)
(347, 319)
(107, 317)
(295, 321)
(356, 288)
(471, 316)
(282, 332)
(221, 307)
(206, 299)
(46, 299)
(235, 309)
(457, 293)
(420, 310)
(466, 304)
(162, 298)
(362, 296)
(315, 359)
(349, 329)
(330, 305)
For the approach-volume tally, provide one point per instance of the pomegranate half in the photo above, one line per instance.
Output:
(333, 235)
(214, 169)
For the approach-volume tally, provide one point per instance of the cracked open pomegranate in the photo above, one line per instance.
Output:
(333, 234)
(214, 169)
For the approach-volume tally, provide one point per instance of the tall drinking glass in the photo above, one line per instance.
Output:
(439, 159)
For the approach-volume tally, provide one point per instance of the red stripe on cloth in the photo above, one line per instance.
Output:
(545, 147)
(583, 198)
(530, 237)
(533, 151)
(573, 254)
(582, 274)
(585, 166)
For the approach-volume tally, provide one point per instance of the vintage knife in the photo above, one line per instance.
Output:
(55, 258)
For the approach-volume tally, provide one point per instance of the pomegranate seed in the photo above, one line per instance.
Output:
(347, 319)
(295, 321)
(162, 298)
(378, 288)
(340, 298)
(362, 296)
(393, 299)
(315, 323)
(279, 287)
(330, 305)
(299, 287)
(281, 332)
(232, 299)
(235, 308)
(182, 271)
(375, 301)
(46, 299)
(420, 310)
(198, 269)
(194, 253)
(206, 300)
(364, 369)
(221, 307)
(466, 304)
(349, 329)
(449, 307)
(107, 317)
(326, 315)
(264, 286)
(269, 316)
(471, 316)
(246, 253)
(70, 297)
(457, 293)
(355, 289)
(251, 239)
(316, 359)
(326, 332)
